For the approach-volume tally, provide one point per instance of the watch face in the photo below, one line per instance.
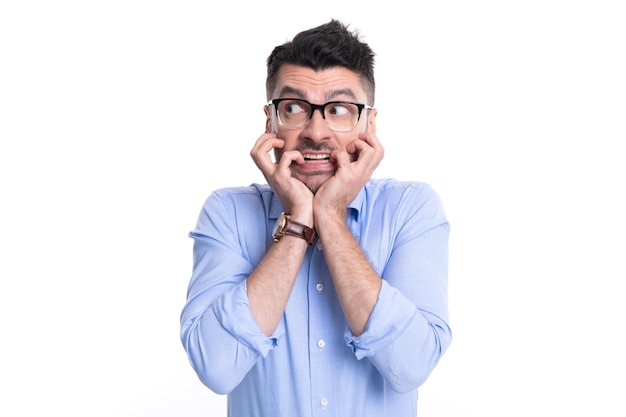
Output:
(279, 226)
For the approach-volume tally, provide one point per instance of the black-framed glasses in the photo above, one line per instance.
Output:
(340, 116)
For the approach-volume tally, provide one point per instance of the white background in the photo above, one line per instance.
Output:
(118, 118)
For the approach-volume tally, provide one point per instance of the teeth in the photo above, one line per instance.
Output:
(322, 156)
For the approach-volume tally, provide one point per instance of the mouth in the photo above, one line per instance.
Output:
(320, 158)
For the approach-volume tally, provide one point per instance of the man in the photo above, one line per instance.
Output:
(324, 292)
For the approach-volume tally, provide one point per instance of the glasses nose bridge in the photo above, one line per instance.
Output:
(320, 107)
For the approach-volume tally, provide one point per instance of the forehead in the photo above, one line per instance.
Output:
(318, 86)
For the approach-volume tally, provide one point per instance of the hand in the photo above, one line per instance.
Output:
(296, 198)
(355, 167)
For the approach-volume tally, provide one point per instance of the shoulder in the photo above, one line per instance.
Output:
(243, 205)
(382, 187)
(241, 194)
(252, 189)
(246, 201)
(404, 198)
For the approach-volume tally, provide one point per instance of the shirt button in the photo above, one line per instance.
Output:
(319, 246)
(321, 344)
(324, 402)
(319, 287)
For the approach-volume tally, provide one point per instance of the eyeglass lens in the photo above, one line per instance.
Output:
(295, 114)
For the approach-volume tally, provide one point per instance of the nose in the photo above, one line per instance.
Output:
(317, 129)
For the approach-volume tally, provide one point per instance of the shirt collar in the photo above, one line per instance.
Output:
(354, 207)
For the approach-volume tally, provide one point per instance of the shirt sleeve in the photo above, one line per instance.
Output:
(408, 329)
(217, 307)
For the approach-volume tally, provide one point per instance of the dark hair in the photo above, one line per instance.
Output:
(326, 46)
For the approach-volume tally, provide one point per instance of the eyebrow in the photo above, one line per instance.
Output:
(342, 92)
(297, 93)
(287, 90)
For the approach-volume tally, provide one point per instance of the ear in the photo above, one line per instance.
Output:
(371, 120)
(268, 119)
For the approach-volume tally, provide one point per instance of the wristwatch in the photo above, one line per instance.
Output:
(286, 226)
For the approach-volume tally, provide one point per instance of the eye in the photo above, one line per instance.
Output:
(339, 109)
(294, 107)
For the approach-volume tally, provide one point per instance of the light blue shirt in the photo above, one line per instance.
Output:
(313, 365)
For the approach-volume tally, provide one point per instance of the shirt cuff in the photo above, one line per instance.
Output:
(233, 312)
(390, 316)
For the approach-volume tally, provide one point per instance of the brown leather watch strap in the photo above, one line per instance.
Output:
(287, 226)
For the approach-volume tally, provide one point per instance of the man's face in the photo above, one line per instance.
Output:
(316, 140)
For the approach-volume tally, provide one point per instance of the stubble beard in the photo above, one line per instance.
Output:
(311, 181)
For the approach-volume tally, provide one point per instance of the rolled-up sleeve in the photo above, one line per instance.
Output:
(408, 331)
(218, 331)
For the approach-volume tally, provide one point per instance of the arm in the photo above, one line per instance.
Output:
(356, 282)
(237, 295)
(396, 308)
(233, 312)
(408, 330)
(221, 337)
(270, 284)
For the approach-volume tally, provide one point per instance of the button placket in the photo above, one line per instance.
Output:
(320, 283)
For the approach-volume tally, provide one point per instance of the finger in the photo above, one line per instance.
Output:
(260, 152)
(290, 157)
(372, 140)
(266, 142)
(342, 158)
(362, 151)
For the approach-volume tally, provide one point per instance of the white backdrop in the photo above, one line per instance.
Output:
(118, 118)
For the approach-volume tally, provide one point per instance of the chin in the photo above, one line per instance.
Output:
(313, 185)
(313, 188)
(315, 181)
